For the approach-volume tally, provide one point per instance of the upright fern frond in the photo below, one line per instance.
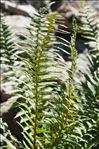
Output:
(41, 71)
(63, 118)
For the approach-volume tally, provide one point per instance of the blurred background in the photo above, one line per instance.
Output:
(18, 12)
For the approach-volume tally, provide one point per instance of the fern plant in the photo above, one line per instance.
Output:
(41, 74)
(54, 113)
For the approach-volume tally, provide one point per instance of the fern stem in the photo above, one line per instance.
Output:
(74, 59)
(37, 84)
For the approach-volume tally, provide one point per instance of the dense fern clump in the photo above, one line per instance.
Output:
(54, 113)
(89, 89)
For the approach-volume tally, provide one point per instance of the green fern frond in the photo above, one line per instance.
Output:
(89, 88)
(90, 26)
(41, 71)
(88, 93)
(62, 117)
(91, 83)
(8, 59)
(6, 46)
